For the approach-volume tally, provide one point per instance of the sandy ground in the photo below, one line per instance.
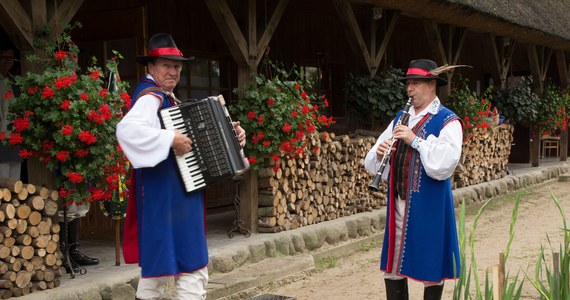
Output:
(357, 276)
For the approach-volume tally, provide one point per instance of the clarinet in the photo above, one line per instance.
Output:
(403, 120)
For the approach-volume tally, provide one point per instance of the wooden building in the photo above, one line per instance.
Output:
(332, 38)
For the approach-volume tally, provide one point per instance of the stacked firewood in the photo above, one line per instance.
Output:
(485, 155)
(329, 184)
(30, 259)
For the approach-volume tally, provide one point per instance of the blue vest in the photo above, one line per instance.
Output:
(429, 249)
(171, 222)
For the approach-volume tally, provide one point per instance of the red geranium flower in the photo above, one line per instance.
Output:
(67, 130)
(15, 139)
(25, 153)
(60, 54)
(87, 138)
(65, 104)
(74, 177)
(21, 124)
(62, 155)
(47, 92)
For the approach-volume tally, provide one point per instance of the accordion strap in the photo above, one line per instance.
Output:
(157, 89)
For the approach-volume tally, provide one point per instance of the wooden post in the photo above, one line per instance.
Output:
(564, 83)
(117, 242)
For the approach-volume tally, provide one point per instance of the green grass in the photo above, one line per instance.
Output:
(328, 262)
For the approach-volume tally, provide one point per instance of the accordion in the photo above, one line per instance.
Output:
(216, 153)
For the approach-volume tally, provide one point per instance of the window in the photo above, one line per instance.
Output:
(320, 80)
(201, 78)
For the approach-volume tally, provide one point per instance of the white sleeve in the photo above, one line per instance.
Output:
(140, 135)
(371, 161)
(440, 155)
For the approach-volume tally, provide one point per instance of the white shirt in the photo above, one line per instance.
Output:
(439, 155)
(140, 135)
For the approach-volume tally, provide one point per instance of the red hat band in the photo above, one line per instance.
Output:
(165, 51)
(420, 72)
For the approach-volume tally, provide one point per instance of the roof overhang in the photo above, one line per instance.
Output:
(461, 15)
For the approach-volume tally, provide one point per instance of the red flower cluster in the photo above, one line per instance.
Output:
(87, 137)
(67, 120)
(280, 115)
(63, 82)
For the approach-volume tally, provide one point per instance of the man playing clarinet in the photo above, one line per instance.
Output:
(420, 241)
(165, 226)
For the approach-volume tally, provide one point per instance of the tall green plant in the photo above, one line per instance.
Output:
(553, 284)
(379, 97)
(510, 290)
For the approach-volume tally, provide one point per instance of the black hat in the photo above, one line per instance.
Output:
(421, 69)
(161, 45)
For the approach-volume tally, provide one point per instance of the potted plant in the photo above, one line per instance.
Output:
(67, 119)
(279, 115)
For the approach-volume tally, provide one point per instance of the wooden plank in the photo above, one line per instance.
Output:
(535, 68)
(564, 83)
(434, 39)
(252, 33)
(270, 30)
(38, 14)
(17, 24)
(353, 32)
(229, 29)
(248, 193)
(385, 40)
(64, 12)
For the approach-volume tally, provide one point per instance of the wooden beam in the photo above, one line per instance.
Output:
(562, 68)
(353, 32)
(564, 83)
(17, 24)
(501, 58)
(252, 35)
(270, 30)
(535, 68)
(229, 29)
(385, 40)
(434, 39)
(39, 15)
(546, 55)
(65, 11)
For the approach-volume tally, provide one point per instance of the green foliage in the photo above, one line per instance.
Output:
(379, 96)
(279, 115)
(553, 112)
(328, 262)
(554, 284)
(67, 119)
(510, 289)
(474, 109)
(519, 104)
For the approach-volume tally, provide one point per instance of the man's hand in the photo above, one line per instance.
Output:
(181, 144)
(382, 149)
(404, 133)
(240, 133)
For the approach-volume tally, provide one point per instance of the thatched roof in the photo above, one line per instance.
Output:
(542, 22)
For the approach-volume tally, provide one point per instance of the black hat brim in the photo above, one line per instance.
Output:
(143, 60)
(440, 81)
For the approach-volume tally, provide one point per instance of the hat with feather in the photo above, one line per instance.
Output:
(161, 45)
(427, 69)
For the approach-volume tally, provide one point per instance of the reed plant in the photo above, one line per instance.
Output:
(469, 277)
(554, 284)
